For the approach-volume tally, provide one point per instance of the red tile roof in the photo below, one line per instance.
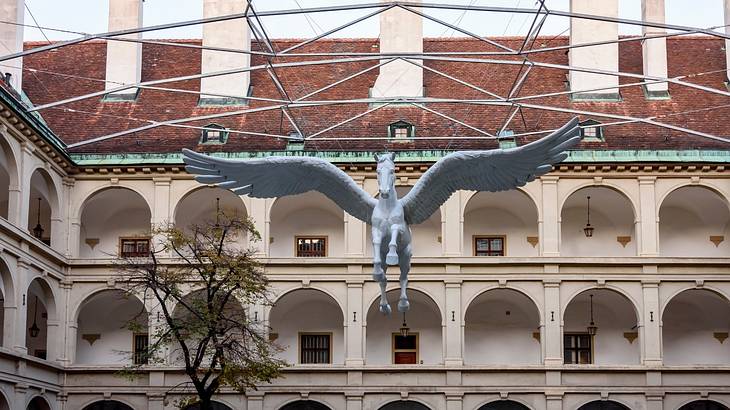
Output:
(69, 71)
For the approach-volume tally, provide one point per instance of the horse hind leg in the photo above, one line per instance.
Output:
(392, 257)
(383, 281)
(405, 267)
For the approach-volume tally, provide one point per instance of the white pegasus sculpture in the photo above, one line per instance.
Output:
(390, 217)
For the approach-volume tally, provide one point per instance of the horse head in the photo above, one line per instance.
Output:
(386, 174)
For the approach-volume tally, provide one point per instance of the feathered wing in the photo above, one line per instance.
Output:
(279, 176)
(493, 170)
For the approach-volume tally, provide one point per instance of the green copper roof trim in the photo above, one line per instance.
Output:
(597, 156)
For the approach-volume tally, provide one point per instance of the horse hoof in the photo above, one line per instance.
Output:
(403, 305)
(391, 259)
(385, 309)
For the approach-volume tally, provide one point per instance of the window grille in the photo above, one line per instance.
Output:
(141, 343)
(405, 348)
(489, 246)
(134, 247)
(311, 246)
(578, 348)
(315, 348)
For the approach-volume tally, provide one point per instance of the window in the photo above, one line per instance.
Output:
(311, 246)
(134, 247)
(401, 130)
(489, 245)
(405, 348)
(506, 139)
(315, 348)
(214, 134)
(141, 342)
(591, 130)
(578, 348)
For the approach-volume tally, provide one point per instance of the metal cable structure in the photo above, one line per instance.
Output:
(523, 59)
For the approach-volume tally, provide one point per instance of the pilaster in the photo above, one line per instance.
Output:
(551, 336)
(649, 326)
(549, 226)
(649, 224)
(454, 324)
(354, 328)
(452, 225)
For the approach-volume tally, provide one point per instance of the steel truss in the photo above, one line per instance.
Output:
(288, 105)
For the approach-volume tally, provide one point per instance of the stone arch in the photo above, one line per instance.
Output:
(9, 180)
(42, 186)
(409, 404)
(604, 184)
(108, 405)
(327, 292)
(43, 302)
(499, 326)
(622, 292)
(690, 320)
(100, 227)
(425, 319)
(617, 320)
(538, 304)
(229, 201)
(713, 289)
(111, 312)
(614, 218)
(702, 184)
(513, 214)
(304, 405)
(4, 402)
(308, 311)
(8, 305)
(217, 405)
(604, 405)
(521, 190)
(96, 190)
(38, 403)
(510, 404)
(416, 288)
(703, 405)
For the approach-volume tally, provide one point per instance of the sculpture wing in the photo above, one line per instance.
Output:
(493, 170)
(279, 176)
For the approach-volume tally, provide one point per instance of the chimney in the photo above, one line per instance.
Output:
(400, 32)
(124, 59)
(11, 37)
(603, 57)
(233, 34)
(654, 50)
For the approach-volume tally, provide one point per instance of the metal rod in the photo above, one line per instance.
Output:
(440, 114)
(346, 121)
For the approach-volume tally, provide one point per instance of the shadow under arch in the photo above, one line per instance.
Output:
(9, 179)
(404, 405)
(618, 290)
(499, 328)
(603, 405)
(4, 402)
(215, 405)
(703, 405)
(307, 317)
(229, 203)
(304, 405)
(44, 206)
(38, 403)
(503, 405)
(108, 405)
(44, 316)
(7, 304)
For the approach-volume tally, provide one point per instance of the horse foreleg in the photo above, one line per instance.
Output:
(384, 305)
(405, 267)
(392, 257)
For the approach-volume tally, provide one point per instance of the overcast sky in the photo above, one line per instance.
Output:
(90, 16)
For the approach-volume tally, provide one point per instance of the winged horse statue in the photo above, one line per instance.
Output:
(390, 217)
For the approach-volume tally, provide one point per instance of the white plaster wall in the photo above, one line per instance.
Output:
(109, 215)
(688, 324)
(687, 219)
(611, 216)
(116, 342)
(423, 318)
(311, 311)
(307, 214)
(499, 326)
(614, 315)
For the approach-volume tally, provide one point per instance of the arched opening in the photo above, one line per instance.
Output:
(695, 324)
(703, 405)
(603, 405)
(306, 225)
(4, 405)
(611, 216)
(112, 329)
(425, 237)
(8, 177)
(42, 207)
(404, 405)
(216, 405)
(308, 323)
(509, 216)
(423, 345)
(200, 206)
(504, 405)
(114, 222)
(502, 326)
(7, 306)
(615, 339)
(694, 221)
(304, 405)
(108, 405)
(38, 403)
(41, 312)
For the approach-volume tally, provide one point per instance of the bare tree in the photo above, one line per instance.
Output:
(201, 291)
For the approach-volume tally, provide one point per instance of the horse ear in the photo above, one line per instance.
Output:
(377, 158)
(392, 156)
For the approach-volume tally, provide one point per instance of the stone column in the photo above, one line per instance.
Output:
(21, 391)
(70, 328)
(259, 215)
(454, 324)
(454, 401)
(654, 50)
(552, 332)
(355, 328)
(550, 224)
(22, 312)
(161, 207)
(25, 170)
(354, 401)
(452, 225)
(553, 401)
(649, 227)
(649, 325)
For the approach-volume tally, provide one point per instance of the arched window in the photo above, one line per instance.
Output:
(703, 405)
(404, 405)
(305, 405)
(603, 405)
(107, 405)
(504, 405)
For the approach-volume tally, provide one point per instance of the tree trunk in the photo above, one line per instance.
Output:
(206, 403)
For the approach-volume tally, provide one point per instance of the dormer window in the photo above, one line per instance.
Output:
(506, 139)
(214, 134)
(591, 130)
(401, 130)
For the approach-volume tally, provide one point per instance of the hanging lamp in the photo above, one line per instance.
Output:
(34, 330)
(404, 327)
(592, 328)
(38, 230)
(588, 230)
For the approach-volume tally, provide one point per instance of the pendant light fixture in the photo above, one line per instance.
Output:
(404, 327)
(34, 330)
(38, 230)
(217, 212)
(592, 328)
(588, 230)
